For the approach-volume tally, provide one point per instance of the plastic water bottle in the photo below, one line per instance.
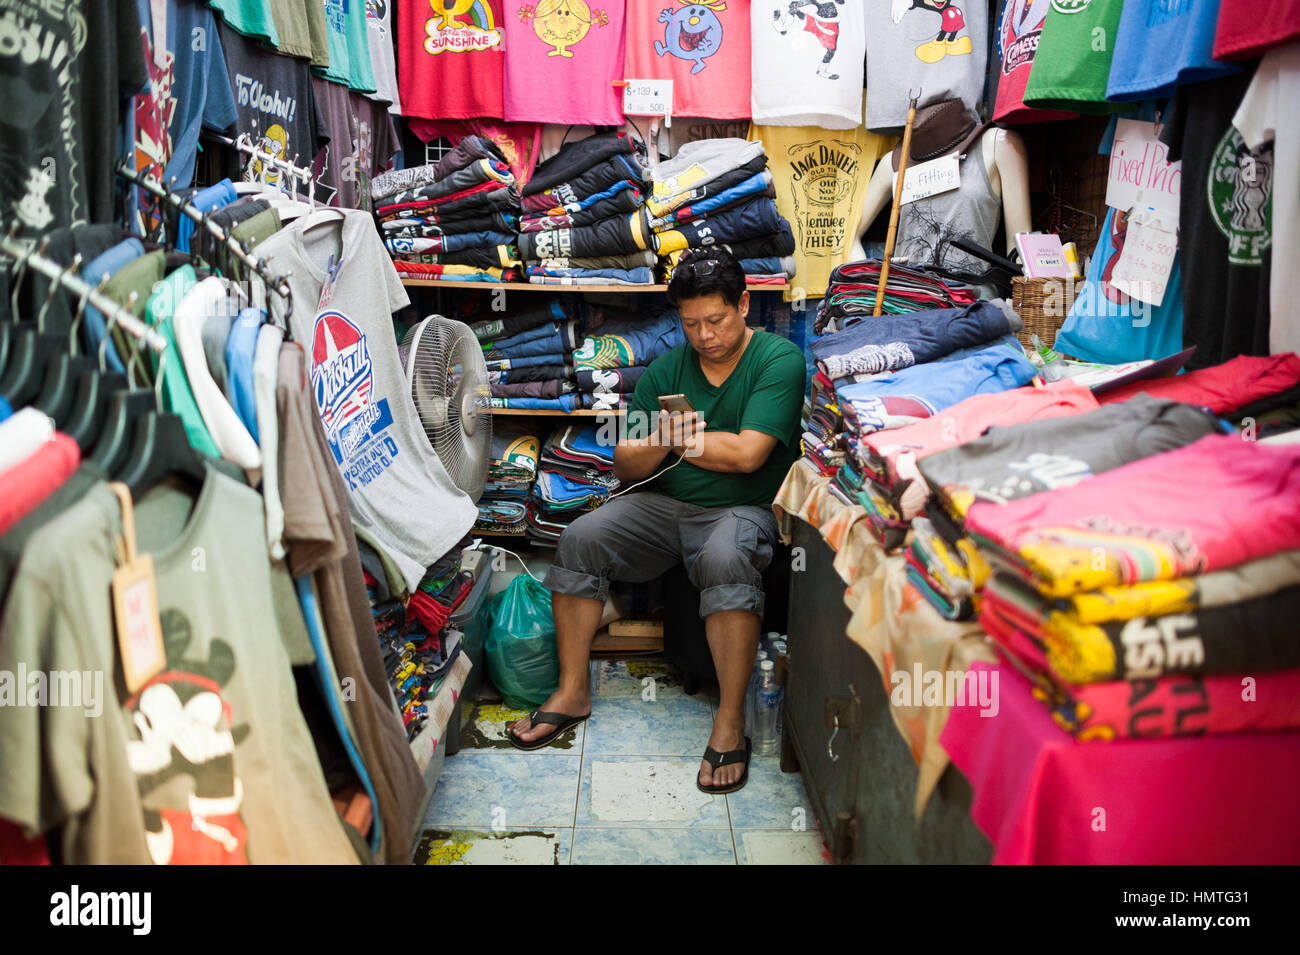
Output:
(751, 689)
(768, 700)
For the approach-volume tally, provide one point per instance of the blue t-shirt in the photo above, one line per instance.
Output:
(1162, 44)
(93, 323)
(240, 346)
(205, 200)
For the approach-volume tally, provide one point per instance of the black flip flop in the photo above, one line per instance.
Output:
(560, 721)
(718, 760)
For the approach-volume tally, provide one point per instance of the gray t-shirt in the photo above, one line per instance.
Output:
(397, 487)
(937, 46)
(210, 762)
(1015, 461)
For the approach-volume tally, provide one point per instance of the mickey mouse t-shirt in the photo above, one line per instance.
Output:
(701, 45)
(561, 59)
(807, 62)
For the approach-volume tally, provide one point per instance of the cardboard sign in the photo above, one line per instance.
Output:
(648, 98)
(1139, 173)
(1146, 260)
(931, 178)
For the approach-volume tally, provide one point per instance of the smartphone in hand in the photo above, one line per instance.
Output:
(675, 403)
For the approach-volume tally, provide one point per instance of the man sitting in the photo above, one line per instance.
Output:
(715, 470)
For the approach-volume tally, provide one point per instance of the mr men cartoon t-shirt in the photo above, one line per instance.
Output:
(1019, 27)
(450, 62)
(937, 46)
(1226, 203)
(807, 62)
(188, 91)
(562, 57)
(275, 102)
(820, 177)
(702, 46)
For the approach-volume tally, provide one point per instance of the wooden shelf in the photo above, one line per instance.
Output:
(529, 287)
(556, 413)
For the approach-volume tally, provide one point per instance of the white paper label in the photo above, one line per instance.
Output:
(1145, 262)
(648, 98)
(1139, 173)
(931, 178)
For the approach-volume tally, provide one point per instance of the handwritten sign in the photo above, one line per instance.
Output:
(1140, 173)
(1145, 262)
(648, 98)
(930, 178)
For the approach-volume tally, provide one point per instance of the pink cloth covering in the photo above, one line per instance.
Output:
(1041, 797)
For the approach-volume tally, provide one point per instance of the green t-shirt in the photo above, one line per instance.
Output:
(249, 17)
(1072, 63)
(177, 396)
(763, 393)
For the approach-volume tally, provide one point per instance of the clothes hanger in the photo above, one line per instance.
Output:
(31, 350)
(58, 389)
(161, 448)
(89, 410)
(125, 407)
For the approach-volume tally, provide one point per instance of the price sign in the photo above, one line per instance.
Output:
(648, 98)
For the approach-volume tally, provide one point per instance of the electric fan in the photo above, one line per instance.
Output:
(448, 377)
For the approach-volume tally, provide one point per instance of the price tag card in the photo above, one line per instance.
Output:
(1140, 175)
(1146, 260)
(648, 98)
(139, 630)
(931, 178)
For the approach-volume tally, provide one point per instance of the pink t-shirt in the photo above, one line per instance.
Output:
(1215, 503)
(562, 57)
(702, 46)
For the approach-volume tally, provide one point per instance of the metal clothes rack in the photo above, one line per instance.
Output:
(275, 283)
(28, 257)
(245, 145)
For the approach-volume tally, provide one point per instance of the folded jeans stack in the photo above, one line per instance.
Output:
(529, 355)
(453, 220)
(611, 358)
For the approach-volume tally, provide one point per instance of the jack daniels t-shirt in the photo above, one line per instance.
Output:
(276, 103)
(1225, 218)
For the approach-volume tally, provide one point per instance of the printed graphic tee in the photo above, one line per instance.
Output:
(1019, 29)
(561, 57)
(820, 177)
(1244, 31)
(1269, 112)
(701, 45)
(398, 489)
(1072, 64)
(363, 144)
(349, 45)
(275, 103)
(450, 63)
(379, 36)
(937, 46)
(1161, 45)
(807, 62)
(1226, 202)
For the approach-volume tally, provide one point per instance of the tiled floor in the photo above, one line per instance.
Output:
(619, 789)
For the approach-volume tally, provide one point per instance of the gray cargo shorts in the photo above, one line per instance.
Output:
(639, 536)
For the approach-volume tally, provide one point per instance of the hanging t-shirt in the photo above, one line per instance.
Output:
(349, 44)
(561, 59)
(398, 489)
(1072, 64)
(62, 78)
(1020, 28)
(379, 35)
(199, 765)
(1105, 325)
(449, 63)
(1245, 31)
(701, 45)
(820, 178)
(300, 25)
(1162, 44)
(188, 91)
(806, 63)
(363, 144)
(937, 46)
(275, 101)
(1226, 204)
(1269, 111)
(252, 18)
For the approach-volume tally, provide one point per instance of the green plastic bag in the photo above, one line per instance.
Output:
(521, 654)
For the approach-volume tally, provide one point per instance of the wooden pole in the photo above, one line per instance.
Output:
(893, 209)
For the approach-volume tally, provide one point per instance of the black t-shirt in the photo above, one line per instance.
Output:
(1225, 222)
(65, 70)
(275, 101)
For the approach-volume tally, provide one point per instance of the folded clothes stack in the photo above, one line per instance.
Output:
(512, 468)
(452, 220)
(611, 359)
(576, 475)
(1138, 602)
(824, 442)
(719, 192)
(852, 293)
(529, 355)
(583, 219)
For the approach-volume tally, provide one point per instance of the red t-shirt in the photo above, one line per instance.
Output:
(450, 66)
(1019, 28)
(1245, 30)
(26, 484)
(702, 47)
(1221, 388)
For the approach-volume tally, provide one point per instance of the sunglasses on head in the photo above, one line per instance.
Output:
(700, 267)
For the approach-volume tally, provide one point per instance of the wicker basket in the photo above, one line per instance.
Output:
(1043, 305)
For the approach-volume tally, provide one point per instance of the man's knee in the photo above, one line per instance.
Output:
(718, 565)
